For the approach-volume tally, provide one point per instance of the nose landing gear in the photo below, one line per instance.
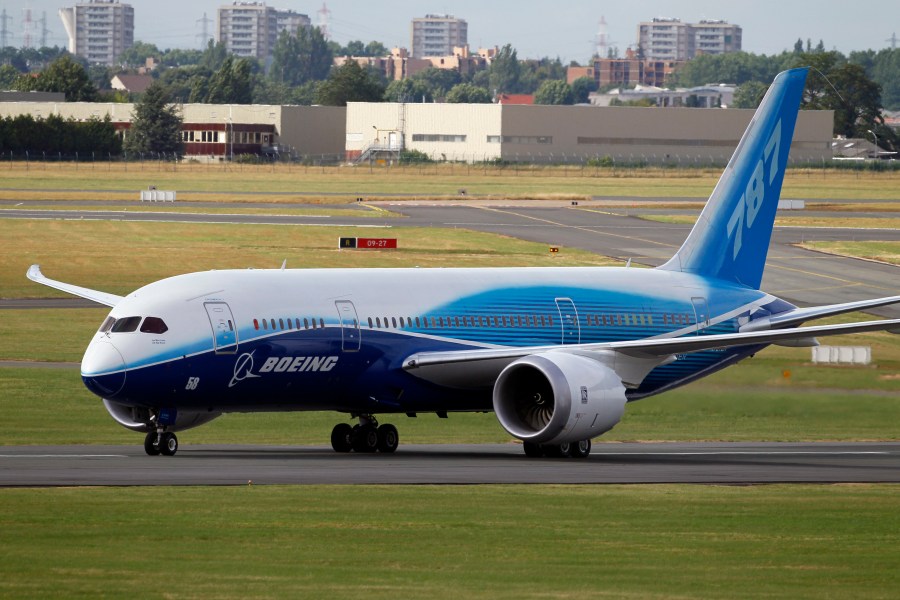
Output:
(366, 437)
(161, 442)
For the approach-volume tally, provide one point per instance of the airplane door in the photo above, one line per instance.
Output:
(350, 339)
(568, 318)
(224, 331)
(701, 312)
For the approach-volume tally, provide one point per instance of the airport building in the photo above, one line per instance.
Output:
(221, 131)
(565, 134)
(99, 30)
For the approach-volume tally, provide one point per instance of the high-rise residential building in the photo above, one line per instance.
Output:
(438, 35)
(670, 39)
(252, 28)
(99, 30)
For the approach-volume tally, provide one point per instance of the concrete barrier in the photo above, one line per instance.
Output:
(848, 355)
(158, 196)
(791, 204)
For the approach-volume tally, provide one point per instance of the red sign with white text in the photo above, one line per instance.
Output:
(375, 243)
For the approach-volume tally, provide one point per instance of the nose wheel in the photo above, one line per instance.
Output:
(365, 438)
(161, 442)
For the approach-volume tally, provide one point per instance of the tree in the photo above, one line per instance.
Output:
(214, 55)
(438, 81)
(833, 84)
(155, 123)
(138, 53)
(376, 49)
(231, 84)
(62, 75)
(407, 90)
(505, 71)
(8, 76)
(301, 58)
(350, 83)
(466, 93)
(749, 95)
(535, 72)
(554, 92)
(582, 88)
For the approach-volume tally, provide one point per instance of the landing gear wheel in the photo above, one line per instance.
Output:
(168, 444)
(388, 438)
(558, 451)
(341, 437)
(580, 449)
(365, 439)
(151, 447)
(533, 450)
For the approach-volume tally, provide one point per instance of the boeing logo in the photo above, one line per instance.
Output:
(243, 369)
(298, 364)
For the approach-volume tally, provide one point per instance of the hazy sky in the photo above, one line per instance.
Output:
(536, 28)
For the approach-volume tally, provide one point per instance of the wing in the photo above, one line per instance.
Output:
(34, 274)
(631, 360)
(801, 315)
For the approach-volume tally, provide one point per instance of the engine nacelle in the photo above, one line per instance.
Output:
(557, 397)
(137, 418)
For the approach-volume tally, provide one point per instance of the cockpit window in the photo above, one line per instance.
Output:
(107, 324)
(154, 325)
(125, 325)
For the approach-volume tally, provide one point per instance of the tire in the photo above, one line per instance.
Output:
(558, 450)
(388, 439)
(365, 439)
(341, 437)
(533, 450)
(168, 444)
(581, 449)
(150, 446)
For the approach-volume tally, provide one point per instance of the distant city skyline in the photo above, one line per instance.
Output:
(568, 31)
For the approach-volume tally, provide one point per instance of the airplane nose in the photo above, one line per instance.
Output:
(103, 369)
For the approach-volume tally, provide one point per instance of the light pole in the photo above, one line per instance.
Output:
(876, 141)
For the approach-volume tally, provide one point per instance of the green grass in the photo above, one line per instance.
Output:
(437, 542)
(888, 252)
(439, 180)
(119, 257)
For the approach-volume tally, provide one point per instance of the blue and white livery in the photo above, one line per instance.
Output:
(556, 353)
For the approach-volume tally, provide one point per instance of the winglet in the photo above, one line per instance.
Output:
(34, 274)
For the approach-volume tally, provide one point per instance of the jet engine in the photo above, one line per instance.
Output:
(558, 397)
(139, 418)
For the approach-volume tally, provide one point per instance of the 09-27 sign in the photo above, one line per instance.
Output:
(368, 243)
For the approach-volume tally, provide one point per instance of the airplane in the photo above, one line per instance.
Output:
(555, 353)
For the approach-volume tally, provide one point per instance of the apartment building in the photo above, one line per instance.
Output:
(99, 30)
(250, 29)
(666, 39)
(438, 35)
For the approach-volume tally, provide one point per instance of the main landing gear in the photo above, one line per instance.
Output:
(161, 442)
(568, 450)
(366, 437)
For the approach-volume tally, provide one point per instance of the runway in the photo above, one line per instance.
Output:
(701, 463)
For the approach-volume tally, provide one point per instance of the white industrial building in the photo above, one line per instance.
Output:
(565, 134)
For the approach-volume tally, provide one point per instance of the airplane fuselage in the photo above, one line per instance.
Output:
(337, 339)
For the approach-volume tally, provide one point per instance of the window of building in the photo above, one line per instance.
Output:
(434, 137)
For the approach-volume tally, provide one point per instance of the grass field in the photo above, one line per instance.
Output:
(119, 257)
(653, 541)
(452, 541)
(888, 252)
(283, 183)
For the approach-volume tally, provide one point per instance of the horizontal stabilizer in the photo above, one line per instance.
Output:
(34, 274)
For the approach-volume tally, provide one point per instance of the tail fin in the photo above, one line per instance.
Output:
(731, 237)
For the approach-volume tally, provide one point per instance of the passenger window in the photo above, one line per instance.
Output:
(273, 324)
(322, 323)
(265, 324)
(281, 323)
(125, 325)
(305, 323)
(370, 322)
(107, 324)
(256, 324)
(154, 325)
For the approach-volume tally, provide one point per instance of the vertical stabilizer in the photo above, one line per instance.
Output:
(731, 237)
